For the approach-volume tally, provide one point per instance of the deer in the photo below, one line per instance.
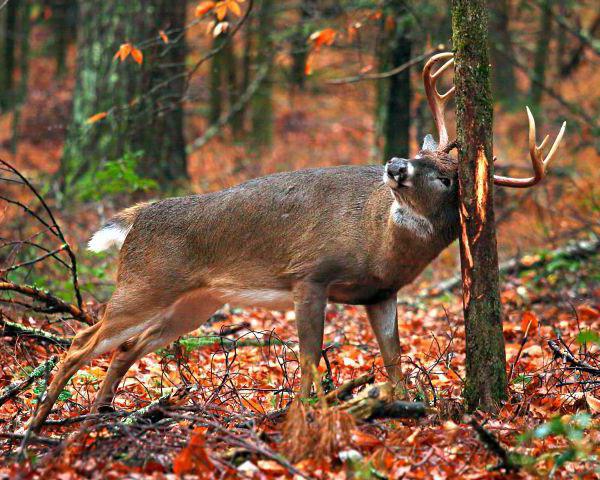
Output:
(343, 234)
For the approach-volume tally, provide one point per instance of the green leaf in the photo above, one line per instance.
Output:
(588, 336)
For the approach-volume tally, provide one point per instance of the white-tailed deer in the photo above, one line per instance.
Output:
(352, 234)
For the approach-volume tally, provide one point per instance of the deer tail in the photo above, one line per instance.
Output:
(115, 231)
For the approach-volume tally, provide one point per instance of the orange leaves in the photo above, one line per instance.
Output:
(203, 8)
(322, 37)
(529, 323)
(137, 55)
(96, 117)
(127, 49)
(193, 459)
(163, 36)
(221, 9)
(317, 40)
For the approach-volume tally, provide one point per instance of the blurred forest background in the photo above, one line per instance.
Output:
(223, 95)
(105, 103)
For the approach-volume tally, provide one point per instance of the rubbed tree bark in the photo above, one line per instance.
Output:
(262, 104)
(486, 359)
(503, 80)
(142, 102)
(397, 117)
(8, 19)
(541, 56)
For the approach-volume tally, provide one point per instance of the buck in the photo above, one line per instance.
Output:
(349, 234)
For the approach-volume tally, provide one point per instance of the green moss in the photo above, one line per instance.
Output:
(486, 359)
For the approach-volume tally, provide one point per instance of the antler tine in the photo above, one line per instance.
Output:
(535, 152)
(436, 100)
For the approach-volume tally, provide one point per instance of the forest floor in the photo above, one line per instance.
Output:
(216, 395)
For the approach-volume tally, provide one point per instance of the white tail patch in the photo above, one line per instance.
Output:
(107, 237)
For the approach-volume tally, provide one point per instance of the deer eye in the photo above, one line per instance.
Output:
(446, 181)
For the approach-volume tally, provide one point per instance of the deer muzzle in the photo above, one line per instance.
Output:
(398, 173)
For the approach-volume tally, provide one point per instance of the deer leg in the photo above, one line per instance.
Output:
(86, 345)
(383, 317)
(183, 316)
(124, 358)
(310, 300)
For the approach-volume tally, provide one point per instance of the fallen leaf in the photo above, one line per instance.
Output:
(529, 320)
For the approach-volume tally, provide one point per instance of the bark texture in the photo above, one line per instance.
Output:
(262, 103)
(486, 358)
(143, 102)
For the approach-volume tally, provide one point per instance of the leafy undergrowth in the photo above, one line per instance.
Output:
(217, 396)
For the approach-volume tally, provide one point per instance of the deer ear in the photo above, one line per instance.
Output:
(429, 143)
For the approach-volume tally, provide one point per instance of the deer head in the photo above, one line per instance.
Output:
(430, 179)
(428, 182)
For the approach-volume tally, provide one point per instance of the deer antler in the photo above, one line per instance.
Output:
(437, 101)
(535, 152)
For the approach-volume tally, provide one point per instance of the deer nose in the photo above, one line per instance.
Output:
(397, 168)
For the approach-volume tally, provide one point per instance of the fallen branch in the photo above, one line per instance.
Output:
(569, 358)
(342, 392)
(53, 303)
(51, 442)
(17, 330)
(17, 387)
(378, 402)
(493, 445)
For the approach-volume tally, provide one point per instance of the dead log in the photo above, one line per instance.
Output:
(344, 390)
(378, 402)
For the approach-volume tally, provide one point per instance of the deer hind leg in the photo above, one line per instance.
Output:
(184, 315)
(310, 300)
(383, 317)
(86, 345)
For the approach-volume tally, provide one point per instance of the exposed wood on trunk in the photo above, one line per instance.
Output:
(486, 358)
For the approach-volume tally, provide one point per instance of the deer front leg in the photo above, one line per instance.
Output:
(310, 300)
(383, 317)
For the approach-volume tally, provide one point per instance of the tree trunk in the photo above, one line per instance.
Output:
(64, 25)
(397, 118)
(216, 80)
(142, 102)
(19, 93)
(299, 46)
(8, 17)
(233, 88)
(247, 55)
(503, 80)
(262, 104)
(541, 56)
(486, 359)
